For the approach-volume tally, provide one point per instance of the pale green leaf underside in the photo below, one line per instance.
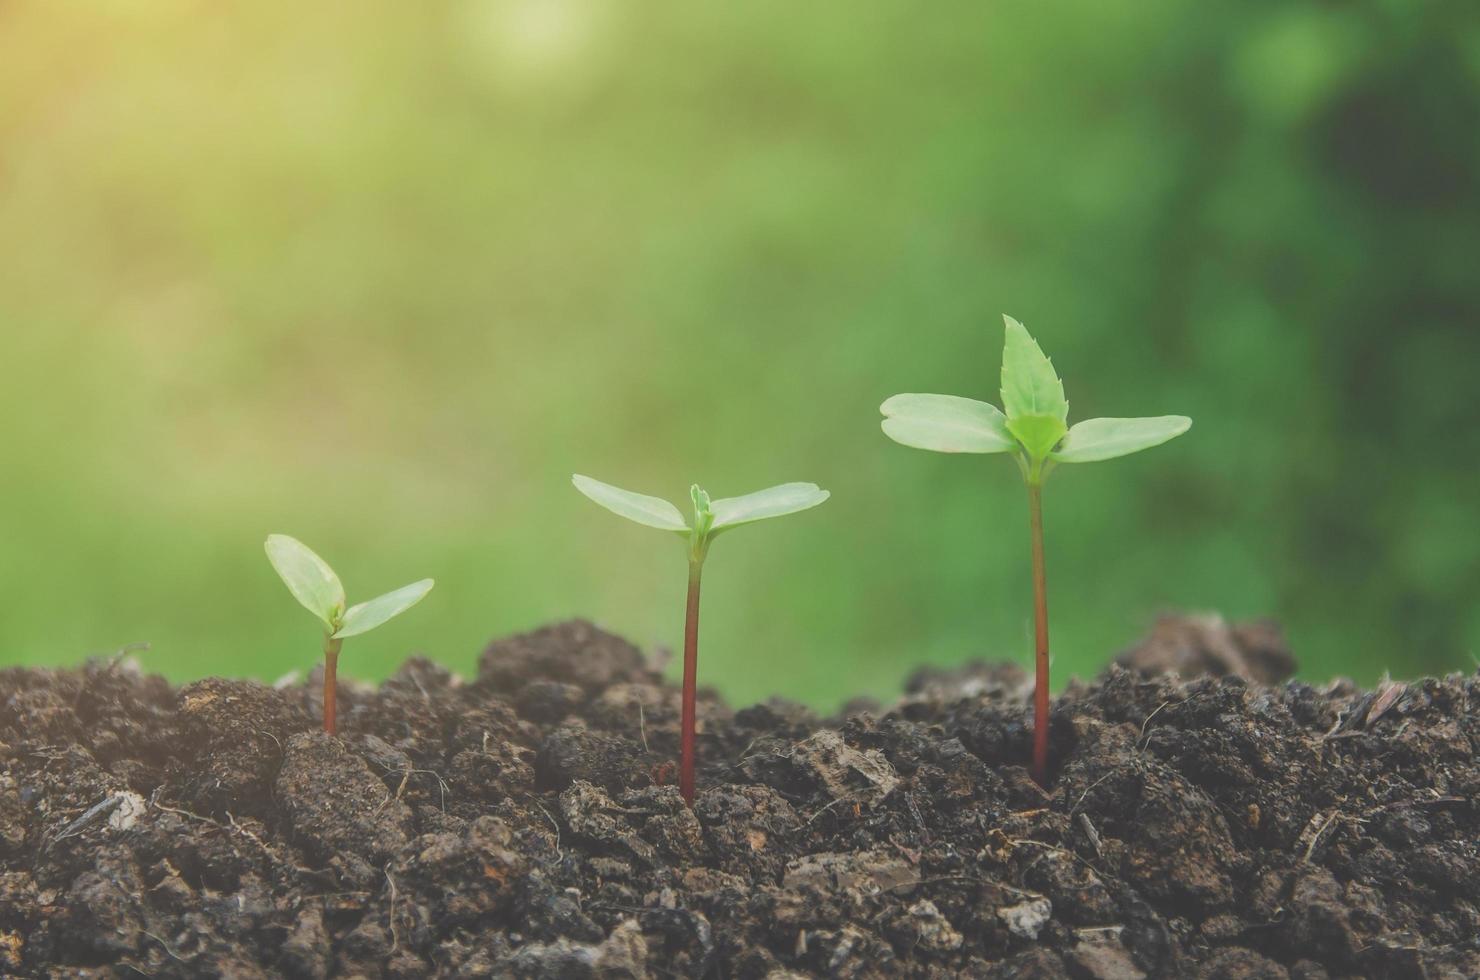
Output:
(651, 511)
(788, 498)
(946, 424)
(1096, 439)
(365, 616)
(1030, 386)
(310, 579)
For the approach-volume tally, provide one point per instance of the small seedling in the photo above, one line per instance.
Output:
(711, 519)
(314, 584)
(1035, 430)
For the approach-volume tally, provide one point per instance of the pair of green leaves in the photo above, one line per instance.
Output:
(710, 517)
(314, 584)
(1034, 425)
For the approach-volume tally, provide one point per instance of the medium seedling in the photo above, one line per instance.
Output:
(1035, 431)
(711, 518)
(314, 584)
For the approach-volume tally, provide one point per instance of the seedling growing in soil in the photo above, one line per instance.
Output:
(314, 584)
(1035, 431)
(711, 519)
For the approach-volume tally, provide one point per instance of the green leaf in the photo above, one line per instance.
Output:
(1038, 433)
(651, 511)
(946, 424)
(700, 498)
(788, 498)
(366, 616)
(310, 579)
(1030, 385)
(1096, 439)
(703, 515)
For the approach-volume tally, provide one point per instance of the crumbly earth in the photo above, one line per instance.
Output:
(525, 824)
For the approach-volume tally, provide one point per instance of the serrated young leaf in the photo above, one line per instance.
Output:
(310, 579)
(365, 616)
(640, 508)
(1030, 386)
(778, 501)
(946, 424)
(700, 498)
(1098, 439)
(1037, 433)
(703, 517)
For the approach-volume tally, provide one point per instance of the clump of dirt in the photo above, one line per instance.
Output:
(525, 824)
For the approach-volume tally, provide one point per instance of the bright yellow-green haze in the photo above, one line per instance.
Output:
(383, 275)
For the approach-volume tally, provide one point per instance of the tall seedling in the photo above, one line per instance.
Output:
(1033, 428)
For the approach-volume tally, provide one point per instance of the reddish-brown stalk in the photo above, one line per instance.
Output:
(1040, 631)
(331, 680)
(690, 681)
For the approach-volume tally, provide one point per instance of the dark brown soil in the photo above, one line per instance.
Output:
(525, 825)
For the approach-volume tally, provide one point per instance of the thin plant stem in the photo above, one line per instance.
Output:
(690, 680)
(1040, 631)
(331, 680)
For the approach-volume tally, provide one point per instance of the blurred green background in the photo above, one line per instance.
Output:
(383, 275)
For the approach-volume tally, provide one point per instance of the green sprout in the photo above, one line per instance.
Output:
(1036, 432)
(314, 584)
(711, 519)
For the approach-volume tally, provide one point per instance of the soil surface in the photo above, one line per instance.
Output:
(525, 824)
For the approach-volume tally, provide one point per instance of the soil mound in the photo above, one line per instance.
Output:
(524, 824)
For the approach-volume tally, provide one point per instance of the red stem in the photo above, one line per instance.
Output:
(1040, 631)
(690, 675)
(331, 680)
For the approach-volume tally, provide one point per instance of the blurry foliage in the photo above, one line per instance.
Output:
(407, 266)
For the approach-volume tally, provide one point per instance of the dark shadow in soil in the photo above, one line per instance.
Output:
(524, 824)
